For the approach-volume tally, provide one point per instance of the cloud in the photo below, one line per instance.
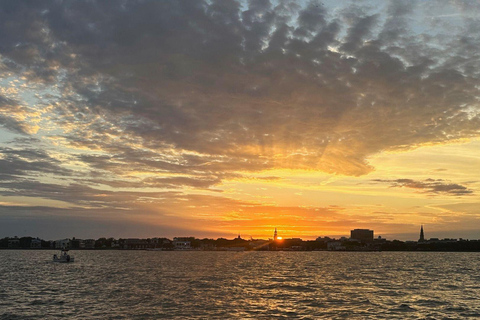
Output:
(11, 116)
(16, 164)
(247, 83)
(432, 186)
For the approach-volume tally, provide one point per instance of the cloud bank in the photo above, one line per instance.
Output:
(259, 84)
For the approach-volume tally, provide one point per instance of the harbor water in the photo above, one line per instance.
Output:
(239, 285)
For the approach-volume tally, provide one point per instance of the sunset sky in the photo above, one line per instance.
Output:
(218, 118)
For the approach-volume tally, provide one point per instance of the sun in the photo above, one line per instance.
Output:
(279, 238)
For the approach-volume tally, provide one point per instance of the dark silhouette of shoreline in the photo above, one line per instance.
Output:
(239, 244)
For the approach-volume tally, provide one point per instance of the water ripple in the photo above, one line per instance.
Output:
(248, 285)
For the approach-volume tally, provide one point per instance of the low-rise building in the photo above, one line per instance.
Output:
(135, 243)
(335, 246)
(115, 244)
(182, 244)
(89, 243)
(36, 243)
(63, 244)
(14, 243)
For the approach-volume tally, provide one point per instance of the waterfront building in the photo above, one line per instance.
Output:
(36, 243)
(363, 235)
(89, 244)
(14, 243)
(335, 246)
(182, 243)
(136, 244)
(63, 244)
(115, 244)
(275, 236)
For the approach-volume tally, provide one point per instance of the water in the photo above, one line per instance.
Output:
(230, 285)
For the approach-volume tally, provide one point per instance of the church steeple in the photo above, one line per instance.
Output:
(422, 237)
(275, 236)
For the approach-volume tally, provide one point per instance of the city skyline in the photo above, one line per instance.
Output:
(219, 118)
(359, 240)
(361, 235)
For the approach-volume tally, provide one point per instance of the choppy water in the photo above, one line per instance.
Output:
(229, 285)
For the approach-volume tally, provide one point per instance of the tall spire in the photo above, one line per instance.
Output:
(422, 238)
(275, 235)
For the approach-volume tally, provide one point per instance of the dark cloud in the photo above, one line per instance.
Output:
(358, 33)
(213, 79)
(25, 162)
(8, 109)
(163, 183)
(202, 90)
(432, 186)
(77, 194)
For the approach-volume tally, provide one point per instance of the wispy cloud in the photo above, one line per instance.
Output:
(433, 186)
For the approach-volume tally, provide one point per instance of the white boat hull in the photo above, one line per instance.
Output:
(63, 258)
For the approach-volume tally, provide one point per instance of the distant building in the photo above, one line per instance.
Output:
(135, 243)
(335, 246)
(115, 244)
(422, 237)
(63, 244)
(89, 244)
(14, 243)
(36, 243)
(364, 235)
(182, 244)
(294, 239)
(76, 243)
(379, 239)
(275, 235)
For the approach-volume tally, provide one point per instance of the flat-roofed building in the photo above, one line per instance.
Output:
(182, 243)
(364, 235)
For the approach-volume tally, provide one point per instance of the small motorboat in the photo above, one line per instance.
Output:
(63, 257)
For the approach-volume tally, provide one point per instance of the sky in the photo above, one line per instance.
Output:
(218, 118)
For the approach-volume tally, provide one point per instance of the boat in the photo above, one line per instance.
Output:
(64, 257)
